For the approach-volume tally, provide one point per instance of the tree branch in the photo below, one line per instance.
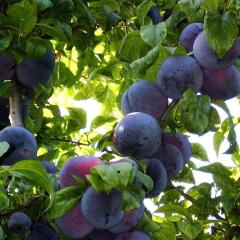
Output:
(15, 106)
(21, 207)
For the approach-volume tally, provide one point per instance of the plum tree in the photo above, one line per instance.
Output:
(144, 96)
(133, 235)
(20, 223)
(78, 166)
(73, 224)
(181, 142)
(101, 235)
(32, 72)
(22, 143)
(157, 171)
(177, 74)
(50, 168)
(41, 231)
(7, 66)
(102, 210)
(209, 59)
(189, 34)
(137, 135)
(154, 14)
(172, 159)
(130, 220)
(221, 84)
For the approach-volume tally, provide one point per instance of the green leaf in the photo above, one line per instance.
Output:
(199, 152)
(132, 47)
(116, 175)
(207, 4)
(4, 146)
(221, 31)
(153, 34)
(174, 208)
(190, 228)
(33, 171)
(145, 180)
(35, 48)
(1, 233)
(112, 18)
(142, 10)
(166, 232)
(60, 206)
(4, 201)
(44, 4)
(101, 120)
(193, 111)
(22, 16)
(148, 225)
(5, 42)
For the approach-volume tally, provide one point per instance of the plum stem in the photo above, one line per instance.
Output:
(15, 106)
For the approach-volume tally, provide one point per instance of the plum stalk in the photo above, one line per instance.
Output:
(15, 106)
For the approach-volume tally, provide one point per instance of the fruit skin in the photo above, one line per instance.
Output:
(221, 84)
(7, 66)
(189, 34)
(101, 235)
(177, 74)
(73, 224)
(130, 220)
(209, 59)
(77, 166)
(181, 142)
(155, 16)
(50, 168)
(172, 159)
(22, 143)
(157, 171)
(41, 231)
(133, 235)
(137, 135)
(144, 96)
(102, 210)
(32, 72)
(19, 223)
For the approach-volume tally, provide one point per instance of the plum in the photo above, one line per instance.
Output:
(102, 210)
(181, 142)
(130, 220)
(221, 84)
(157, 171)
(101, 235)
(209, 59)
(172, 159)
(155, 16)
(32, 72)
(50, 168)
(133, 235)
(19, 223)
(189, 34)
(144, 96)
(73, 224)
(22, 143)
(41, 231)
(177, 74)
(77, 166)
(137, 135)
(7, 66)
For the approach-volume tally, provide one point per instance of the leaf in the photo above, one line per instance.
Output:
(194, 111)
(145, 180)
(142, 10)
(60, 206)
(221, 31)
(4, 146)
(33, 170)
(199, 152)
(44, 4)
(101, 120)
(4, 201)
(207, 4)
(112, 18)
(190, 228)
(153, 34)
(5, 42)
(35, 48)
(166, 232)
(23, 16)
